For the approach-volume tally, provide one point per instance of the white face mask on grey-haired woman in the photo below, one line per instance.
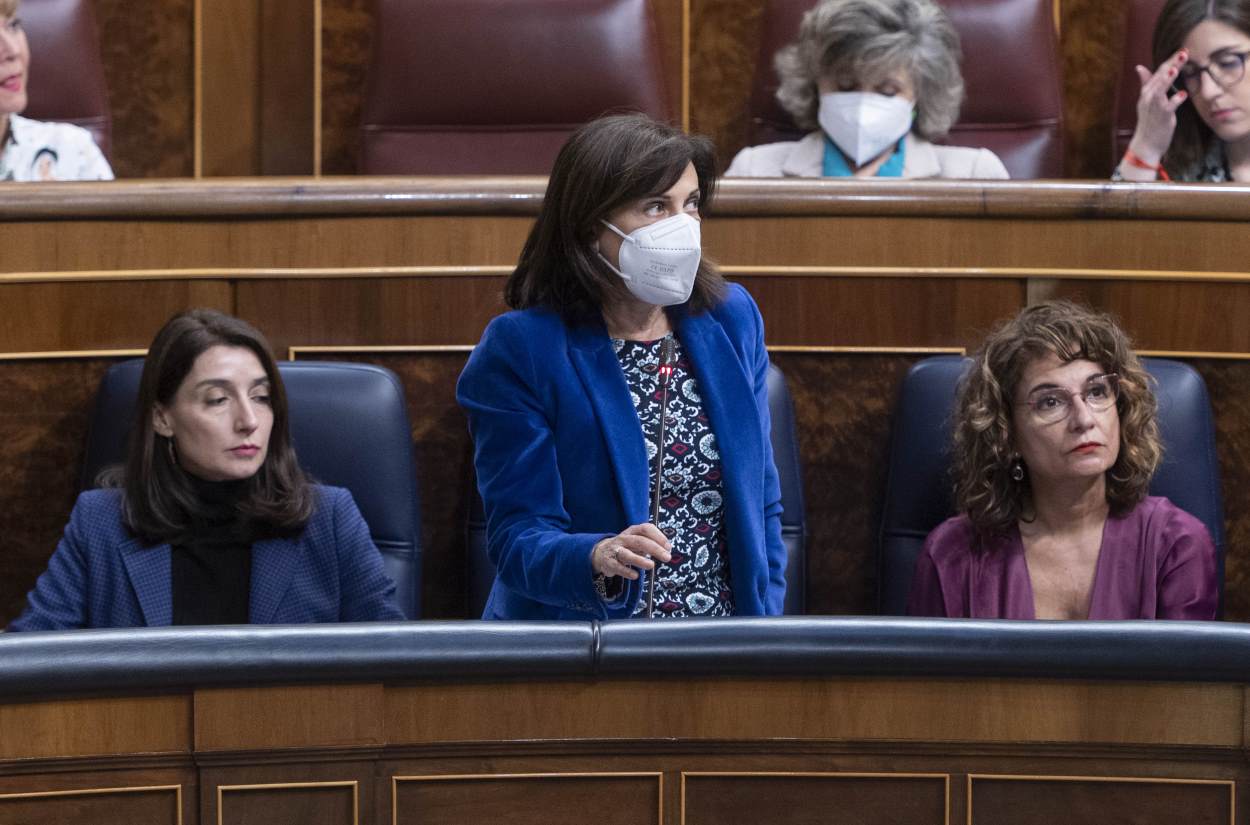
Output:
(864, 124)
(659, 261)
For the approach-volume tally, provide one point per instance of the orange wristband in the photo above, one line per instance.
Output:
(1134, 160)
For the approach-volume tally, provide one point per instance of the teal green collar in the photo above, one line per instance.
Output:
(836, 165)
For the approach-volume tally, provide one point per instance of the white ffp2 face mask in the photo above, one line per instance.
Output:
(659, 261)
(864, 124)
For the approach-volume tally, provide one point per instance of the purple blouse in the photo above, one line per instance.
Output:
(1156, 562)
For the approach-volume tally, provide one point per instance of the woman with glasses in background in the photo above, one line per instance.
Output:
(1200, 47)
(1056, 441)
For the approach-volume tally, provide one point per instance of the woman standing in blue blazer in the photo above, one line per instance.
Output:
(211, 521)
(564, 397)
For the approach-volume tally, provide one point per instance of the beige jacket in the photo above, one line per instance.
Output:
(921, 159)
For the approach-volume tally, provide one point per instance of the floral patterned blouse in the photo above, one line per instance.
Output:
(696, 582)
(37, 151)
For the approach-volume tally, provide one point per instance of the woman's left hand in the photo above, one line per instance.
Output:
(630, 550)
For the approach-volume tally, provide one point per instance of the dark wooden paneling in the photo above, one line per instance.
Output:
(307, 716)
(1075, 802)
(376, 311)
(666, 16)
(258, 87)
(849, 710)
(906, 312)
(1172, 315)
(44, 407)
(145, 807)
(540, 800)
(288, 36)
(69, 728)
(347, 48)
(231, 96)
(149, 67)
(724, 48)
(298, 785)
(1091, 40)
(842, 406)
(1229, 385)
(332, 805)
(56, 317)
(253, 245)
(808, 800)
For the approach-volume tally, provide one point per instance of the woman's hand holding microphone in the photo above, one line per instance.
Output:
(630, 550)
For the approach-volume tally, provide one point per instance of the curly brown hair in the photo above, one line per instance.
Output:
(983, 439)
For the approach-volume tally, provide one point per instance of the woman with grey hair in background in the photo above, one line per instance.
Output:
(878, 81)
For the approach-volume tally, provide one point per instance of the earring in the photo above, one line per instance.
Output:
(1017, 470)
(173, 456)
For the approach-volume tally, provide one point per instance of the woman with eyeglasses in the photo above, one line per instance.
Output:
(1055, 443)
(1200, 47)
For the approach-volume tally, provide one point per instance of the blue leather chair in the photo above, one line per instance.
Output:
(481, 573)
(350, 427)
(919, 486)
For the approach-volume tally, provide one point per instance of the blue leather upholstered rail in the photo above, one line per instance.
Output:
(42, 665)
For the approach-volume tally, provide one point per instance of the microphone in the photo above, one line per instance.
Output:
(667, 360)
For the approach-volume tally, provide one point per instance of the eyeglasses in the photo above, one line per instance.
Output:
(1055, 403)
(1226, 69)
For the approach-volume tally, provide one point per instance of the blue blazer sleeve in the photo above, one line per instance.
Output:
(529, 534)
(367, 593)
(59, 598)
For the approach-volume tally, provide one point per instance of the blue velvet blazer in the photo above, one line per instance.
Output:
(561, 460)
(101, 575)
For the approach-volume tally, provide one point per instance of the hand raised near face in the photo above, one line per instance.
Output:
(1156, 109)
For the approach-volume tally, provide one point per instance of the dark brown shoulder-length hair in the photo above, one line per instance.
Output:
(160, 498)
(984, 450)
(604, 165)
(1193, 138)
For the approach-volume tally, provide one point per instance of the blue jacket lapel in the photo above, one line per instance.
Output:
(729, 399)
(600, 372)
(149, 573)
(274, 562)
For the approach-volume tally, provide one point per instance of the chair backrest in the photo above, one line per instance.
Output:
(350, 428)
(1139, 28)
(497, 86)
(67, 72)
(481, 572)
(918, 482)
(1011, 69)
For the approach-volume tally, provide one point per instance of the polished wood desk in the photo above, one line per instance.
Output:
(856, 282)
(701, 723)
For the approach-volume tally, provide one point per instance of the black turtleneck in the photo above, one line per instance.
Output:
(211, 568)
